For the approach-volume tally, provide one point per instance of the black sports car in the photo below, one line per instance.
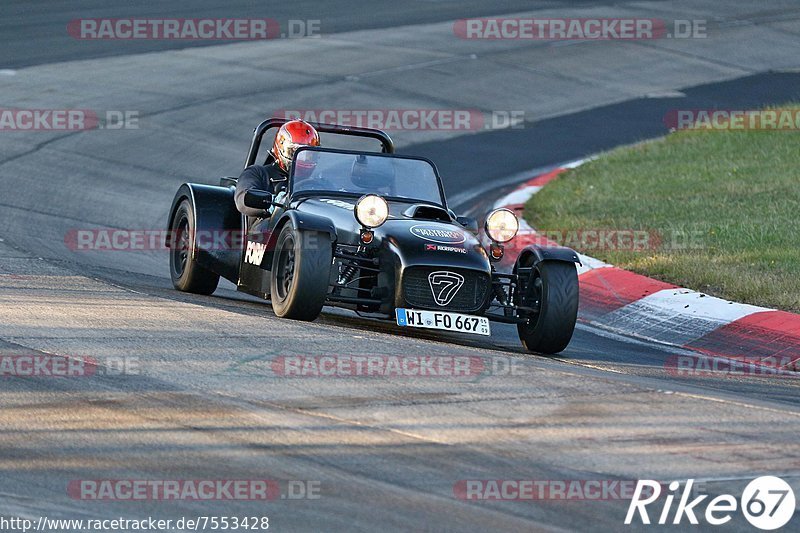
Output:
(372, 232)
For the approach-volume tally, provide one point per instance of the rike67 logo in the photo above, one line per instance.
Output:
(767, 502)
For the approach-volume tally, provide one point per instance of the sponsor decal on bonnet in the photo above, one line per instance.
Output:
(339, 203)
(437, 234)
(443, 248)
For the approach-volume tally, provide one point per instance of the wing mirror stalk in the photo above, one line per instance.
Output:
(469, 223)
(258, 199)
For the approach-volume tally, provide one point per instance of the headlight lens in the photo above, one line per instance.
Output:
(372, 211)
(502, 225)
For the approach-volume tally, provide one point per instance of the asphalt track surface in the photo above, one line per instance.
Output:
(45, 22)
(201, 400)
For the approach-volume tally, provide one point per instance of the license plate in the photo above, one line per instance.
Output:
(412, 318)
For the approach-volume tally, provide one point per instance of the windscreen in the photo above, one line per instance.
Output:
(357, 173)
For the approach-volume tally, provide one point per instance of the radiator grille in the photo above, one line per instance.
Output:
(469, 298)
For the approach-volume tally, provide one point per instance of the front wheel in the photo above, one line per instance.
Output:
(300, 273)
(186, 274)
(552, 291)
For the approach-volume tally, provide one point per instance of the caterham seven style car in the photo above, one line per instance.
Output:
(372, 232)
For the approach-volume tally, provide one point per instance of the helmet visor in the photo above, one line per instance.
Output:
(305, 163)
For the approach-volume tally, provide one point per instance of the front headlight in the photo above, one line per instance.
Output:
(502, 225)
(371, 211)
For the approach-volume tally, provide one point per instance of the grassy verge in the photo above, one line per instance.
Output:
(721, 208)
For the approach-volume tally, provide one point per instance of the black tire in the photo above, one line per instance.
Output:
(186, 274)
(300, 274)
(553, 288)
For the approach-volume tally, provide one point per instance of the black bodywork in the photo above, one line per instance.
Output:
(390, 272)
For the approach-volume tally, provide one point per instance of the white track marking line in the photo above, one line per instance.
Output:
(518, 196)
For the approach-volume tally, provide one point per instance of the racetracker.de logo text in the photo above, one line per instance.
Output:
(578, 29)
(193, 29)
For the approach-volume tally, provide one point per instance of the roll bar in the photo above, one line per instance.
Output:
(386, 142)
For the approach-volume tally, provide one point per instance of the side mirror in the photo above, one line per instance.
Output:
(470, 223)
(257, 199)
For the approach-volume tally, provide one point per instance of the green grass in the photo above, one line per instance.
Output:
(736, 195)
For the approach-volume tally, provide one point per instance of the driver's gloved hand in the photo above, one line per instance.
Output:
(278, 199)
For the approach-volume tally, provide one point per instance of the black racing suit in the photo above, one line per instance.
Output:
(270, 178)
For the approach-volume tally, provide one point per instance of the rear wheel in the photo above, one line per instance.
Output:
(186, 274)
(552, 291)
(300, 274)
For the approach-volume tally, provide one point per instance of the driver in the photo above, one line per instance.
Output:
(271, 177)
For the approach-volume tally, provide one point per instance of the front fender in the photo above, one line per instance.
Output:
(218, 227)
(534, 254)
(311, 222)
(302, 222)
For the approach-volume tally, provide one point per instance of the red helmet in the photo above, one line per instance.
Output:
(290, 137)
